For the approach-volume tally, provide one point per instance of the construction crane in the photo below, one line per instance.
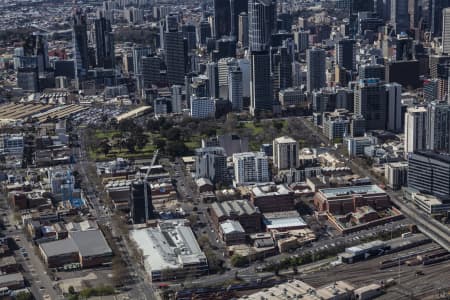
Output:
(145, 182)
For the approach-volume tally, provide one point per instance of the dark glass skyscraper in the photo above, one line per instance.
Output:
(261, 23)
(261, 95)
(174, 52)
(104, 43)
(222, 18)
(346, 54)
(80, 45)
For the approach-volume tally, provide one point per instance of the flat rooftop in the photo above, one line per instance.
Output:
(351, 190)
(271, 190)
(169, 246)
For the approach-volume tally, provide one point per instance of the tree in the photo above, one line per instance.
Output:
(238, 261)
(71, 290)
(104, 147)
(159, 143)
(24, 296)
(176, 148)
(278, 125)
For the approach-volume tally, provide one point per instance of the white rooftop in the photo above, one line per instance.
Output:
(169, 246)
(231, 226)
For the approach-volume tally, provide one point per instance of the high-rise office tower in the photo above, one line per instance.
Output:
(204, 31)
(315, 59)
(80, 46)
(394, 107)
(224, 65)
(285, 153)
(235, 88)
(438, 126)
(138, 54)
(141, 209)
(104, 44)
(151, 67)
(261, 23)
(222, 18)
(189, 33)
(261, 95)
(211, 163)
(414, 13)
(403, 47)
(400, 15)
(370, 102)
(415, 129)
(435, 9)
(177, 95)
(372, 71)
(236, 8)
(212, 72)
(301, 39)
(174, 53)
(281, 63)
(346, 54)
(37, 46)
(243, 29)
(446, 31)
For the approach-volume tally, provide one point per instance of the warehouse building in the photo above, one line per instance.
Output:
(88, 248)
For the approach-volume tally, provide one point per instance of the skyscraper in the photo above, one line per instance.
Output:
(301, 39)
(212, 72)
(261, 23)
(346, 54)
(446, 31)
(261, 95)
(435, 15)
(37, 46)
(415, 129)
(235, 88)
(222, 18)
(177, 95)
(189, 33)
(204, 31)
(315, 59)
(400, 15)
(281, 69)
(438, 126)
(80, 46)
(104, 43)
(237, 7)
(243, 29)
(151, 66)
(370, 102)
(174, 52)
(394, 107)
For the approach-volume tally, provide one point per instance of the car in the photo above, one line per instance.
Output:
(17, 239)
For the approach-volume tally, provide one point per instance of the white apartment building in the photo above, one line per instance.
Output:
(285, 153)
(250, 167)
(202, 107)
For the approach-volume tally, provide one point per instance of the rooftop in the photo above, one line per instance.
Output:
(236, 207)
(169, 246)
(59, 247)
(90, 243)
(284, 140)
(359, 189)
(296, 289)
(271, 190)
(231, 226)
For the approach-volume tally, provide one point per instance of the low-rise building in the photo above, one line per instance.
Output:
(232, 232)
(242, 211)
(88, 248)
(271, 197)
(346, 199)
(295, 289)
(13, 281)
(170, 251)
(283, 221)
